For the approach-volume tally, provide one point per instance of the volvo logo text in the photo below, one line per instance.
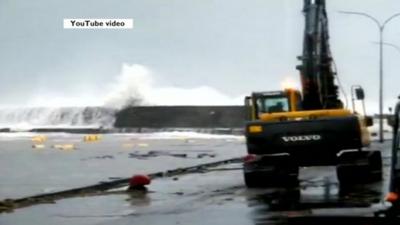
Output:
(314, 137)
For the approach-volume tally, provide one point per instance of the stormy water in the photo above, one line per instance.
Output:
(134, 86)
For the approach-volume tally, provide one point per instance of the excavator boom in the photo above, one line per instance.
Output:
(316, 69)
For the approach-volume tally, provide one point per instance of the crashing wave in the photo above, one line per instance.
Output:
(57, 117)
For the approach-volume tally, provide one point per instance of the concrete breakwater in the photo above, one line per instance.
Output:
(135, 119)
(181, 117)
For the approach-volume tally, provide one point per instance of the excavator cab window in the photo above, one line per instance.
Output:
(273, 104)
(249, 109)
(298, 101)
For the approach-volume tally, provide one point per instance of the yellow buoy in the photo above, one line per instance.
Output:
(128, 145)
(91, 137)
(143, 145)
(64, 146)
(39, 139)
(38, 146)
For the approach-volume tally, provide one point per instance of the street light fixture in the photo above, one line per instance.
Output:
(357, 92)
(381, 27)
(391, 45)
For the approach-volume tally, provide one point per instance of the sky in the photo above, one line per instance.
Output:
(182, 51)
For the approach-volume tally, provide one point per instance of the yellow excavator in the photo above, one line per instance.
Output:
(289, 129)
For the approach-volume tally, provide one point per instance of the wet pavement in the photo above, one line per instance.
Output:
(27, 170)
(214, 196)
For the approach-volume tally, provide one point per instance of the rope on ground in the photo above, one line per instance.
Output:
(9, 205)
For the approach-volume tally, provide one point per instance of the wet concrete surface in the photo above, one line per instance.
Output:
(216, 196)
(28, 171)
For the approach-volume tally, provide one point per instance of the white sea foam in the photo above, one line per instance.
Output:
(135, 85)
(180, 135)
(18, 118)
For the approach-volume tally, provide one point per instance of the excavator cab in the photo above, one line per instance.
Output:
(271, 102)
(281, 137)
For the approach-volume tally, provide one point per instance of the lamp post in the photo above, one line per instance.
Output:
(397, 48)
(381, 27)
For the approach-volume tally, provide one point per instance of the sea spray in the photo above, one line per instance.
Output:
(27, 118)
(135, 86)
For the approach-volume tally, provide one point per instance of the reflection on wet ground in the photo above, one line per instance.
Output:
(172, 153)
(318, 197)
(277, 205)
